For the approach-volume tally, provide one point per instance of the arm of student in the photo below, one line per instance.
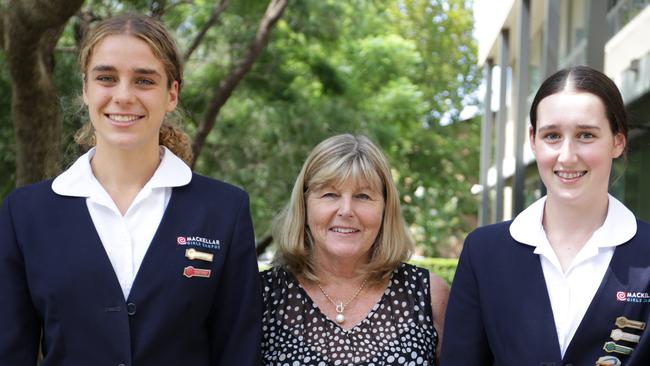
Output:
(237, 316)
(466, 342)
(19, 324)
(439, 297)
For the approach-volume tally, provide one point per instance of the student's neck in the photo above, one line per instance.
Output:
(568, 227)
(124, 173)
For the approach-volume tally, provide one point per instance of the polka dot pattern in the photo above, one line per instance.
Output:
(398, 330)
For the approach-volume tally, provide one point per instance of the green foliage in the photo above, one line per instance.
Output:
(397, 71)
(445, 268)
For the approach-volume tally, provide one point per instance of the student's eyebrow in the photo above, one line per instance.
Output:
(145, 71)
(582, 127)
(137, 70)
(102, 68)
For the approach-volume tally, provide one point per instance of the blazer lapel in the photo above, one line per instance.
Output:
(84, 246)
(623, 276)
(542, 327)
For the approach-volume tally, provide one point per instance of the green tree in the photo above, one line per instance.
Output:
(397, 71)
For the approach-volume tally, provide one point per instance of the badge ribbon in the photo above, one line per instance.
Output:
(619, 335)
(193, 254)
(608, 361)
(623, 322)
(613, 347)
(190, 272)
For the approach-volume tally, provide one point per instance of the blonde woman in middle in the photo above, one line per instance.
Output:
(341, 293)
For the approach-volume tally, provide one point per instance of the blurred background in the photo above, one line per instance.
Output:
(443, 86)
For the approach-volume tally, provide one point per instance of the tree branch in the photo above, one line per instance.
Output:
(273, 13)
(160, 11)
(82, 25)
(216, 12)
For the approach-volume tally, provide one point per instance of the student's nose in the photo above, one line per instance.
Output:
(568, 152)
(123, 93)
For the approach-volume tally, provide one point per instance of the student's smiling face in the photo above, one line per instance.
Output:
(127, 93)
(574, 145)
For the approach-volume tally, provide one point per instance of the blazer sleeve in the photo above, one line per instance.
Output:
(465, 342)
(236, 323)
(19, 324)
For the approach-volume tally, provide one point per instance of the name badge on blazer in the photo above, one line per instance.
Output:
(190, 272)
(193, 254)
(199, 242)
(633, 296)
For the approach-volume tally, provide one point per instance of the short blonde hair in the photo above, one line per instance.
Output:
(336, 160)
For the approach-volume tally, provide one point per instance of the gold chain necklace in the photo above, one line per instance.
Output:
(340, 306)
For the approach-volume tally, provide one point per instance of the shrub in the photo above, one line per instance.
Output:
(443, 267)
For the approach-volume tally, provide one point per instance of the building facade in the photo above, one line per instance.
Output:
(521, 42)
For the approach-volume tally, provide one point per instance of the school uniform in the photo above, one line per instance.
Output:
(512, 304)
(189, 297)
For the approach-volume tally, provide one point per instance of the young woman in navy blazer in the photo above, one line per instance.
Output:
(128, 258)
(566, 282)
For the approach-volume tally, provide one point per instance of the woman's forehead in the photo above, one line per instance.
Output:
(356, 182)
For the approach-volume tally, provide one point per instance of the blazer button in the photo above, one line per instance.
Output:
(130, 308)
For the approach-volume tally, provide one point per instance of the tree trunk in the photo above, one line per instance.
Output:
(31, 29)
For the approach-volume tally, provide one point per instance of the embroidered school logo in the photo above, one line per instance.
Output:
(625, 296)
(198, 241)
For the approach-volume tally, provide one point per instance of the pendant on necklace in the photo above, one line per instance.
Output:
(340, 318)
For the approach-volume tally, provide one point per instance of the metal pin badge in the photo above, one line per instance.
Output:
(193, 254)
(608, 361)
(619, 335)
(623, 322)
(613, 347)
(190, 272)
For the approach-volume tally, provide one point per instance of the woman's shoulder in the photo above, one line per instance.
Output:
(423, 275)
(276, 277)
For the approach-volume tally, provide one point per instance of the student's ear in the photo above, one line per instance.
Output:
(172, 102)
(619, 145)
(531, 138)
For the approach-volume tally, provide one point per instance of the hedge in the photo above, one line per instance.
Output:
(443, 267)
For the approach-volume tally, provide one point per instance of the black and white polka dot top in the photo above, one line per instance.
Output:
(398, 330)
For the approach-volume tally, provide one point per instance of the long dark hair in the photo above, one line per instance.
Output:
(587, 80)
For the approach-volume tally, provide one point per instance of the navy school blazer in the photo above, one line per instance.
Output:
(56, 278)
(499, 312)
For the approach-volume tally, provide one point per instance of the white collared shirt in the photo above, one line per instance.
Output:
(125, 238)
(571, 292)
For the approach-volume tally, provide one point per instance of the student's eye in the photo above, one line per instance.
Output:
(551, 136)
(105, 79)
(145, 82)
(586, 135)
